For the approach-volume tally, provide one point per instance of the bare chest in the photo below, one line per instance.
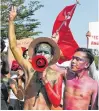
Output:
(35, 88)
(79, 88)
(35, 93)
(35, 96)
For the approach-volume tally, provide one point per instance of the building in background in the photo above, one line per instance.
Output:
(93, 41)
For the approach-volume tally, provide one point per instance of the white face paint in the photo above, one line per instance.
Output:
(44, 49)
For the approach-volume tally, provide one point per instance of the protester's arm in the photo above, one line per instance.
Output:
(17, 90)
(12, 39)
(62, 70)
(8, 100)
(54, 93)
(57, 68)
(20, 82)
(94, 96)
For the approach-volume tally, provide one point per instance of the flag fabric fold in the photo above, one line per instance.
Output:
(66, 41)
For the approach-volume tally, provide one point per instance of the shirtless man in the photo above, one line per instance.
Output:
(80, 89)
(38, 92)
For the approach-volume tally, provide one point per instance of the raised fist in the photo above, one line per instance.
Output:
(12, 13)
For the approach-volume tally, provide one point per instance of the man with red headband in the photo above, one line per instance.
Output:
(39, 93)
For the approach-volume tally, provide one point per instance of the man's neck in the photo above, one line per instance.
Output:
(81, 74)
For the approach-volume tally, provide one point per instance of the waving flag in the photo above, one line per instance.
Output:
(66, 41)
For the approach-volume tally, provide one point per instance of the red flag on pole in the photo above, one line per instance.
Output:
(66, 41)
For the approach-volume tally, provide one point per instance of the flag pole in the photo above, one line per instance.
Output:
(67, 16)
(88, 34)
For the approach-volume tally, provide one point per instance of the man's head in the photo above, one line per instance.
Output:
(25, 54)
(82, 59)
(45, 47)
(4, 64)
(2, 45)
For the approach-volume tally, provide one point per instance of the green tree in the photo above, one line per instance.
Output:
(25, 23)
(96, 58)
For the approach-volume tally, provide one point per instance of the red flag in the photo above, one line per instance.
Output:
(66, 41)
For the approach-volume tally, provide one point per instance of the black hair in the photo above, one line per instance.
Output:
(5, 64)
(36, 47)
(88, 52)
(23, 78)
(24, 53)
(2, 45)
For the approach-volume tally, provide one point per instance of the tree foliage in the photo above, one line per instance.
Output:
(25, 23)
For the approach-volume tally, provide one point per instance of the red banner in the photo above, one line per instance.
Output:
(66, 41)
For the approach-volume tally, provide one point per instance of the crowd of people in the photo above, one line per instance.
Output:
(24, 87)
(11, 80)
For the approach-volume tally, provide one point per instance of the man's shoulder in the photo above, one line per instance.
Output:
(92, 81)
(52, 71)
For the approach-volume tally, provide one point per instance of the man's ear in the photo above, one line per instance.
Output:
(87, 65)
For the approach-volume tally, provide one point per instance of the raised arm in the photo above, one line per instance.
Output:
(17, 90)
(12, 39)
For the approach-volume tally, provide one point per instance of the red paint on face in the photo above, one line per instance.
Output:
(79, 61)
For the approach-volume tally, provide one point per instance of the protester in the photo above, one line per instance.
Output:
(5, 75)
(7, 84)
(14, 103)
(17, 77)
(21, 76)
(2, 45)
(17, 72)
(80, 89)
(79, 84)
(37, 91)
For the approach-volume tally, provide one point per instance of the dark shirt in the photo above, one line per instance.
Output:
(5, 88)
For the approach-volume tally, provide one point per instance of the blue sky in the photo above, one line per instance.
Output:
(84, 13)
